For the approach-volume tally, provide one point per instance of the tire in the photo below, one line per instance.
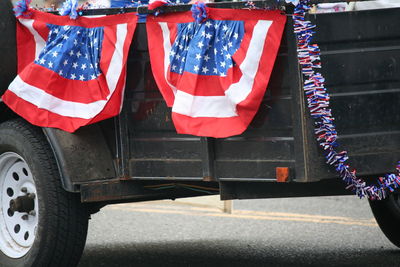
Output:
(387, 215)
(55, 220)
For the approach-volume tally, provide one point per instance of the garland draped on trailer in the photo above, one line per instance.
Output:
(318, 104)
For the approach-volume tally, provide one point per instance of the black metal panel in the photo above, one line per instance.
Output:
(8, 67)
(362, 70)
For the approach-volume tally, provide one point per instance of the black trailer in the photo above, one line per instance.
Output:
(138, 156)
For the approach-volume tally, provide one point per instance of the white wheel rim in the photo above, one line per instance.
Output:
(17, 229)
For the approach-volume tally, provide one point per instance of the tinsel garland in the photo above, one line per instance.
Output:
(318, 104)
(199, 11)
(70, 8)
(21, 8)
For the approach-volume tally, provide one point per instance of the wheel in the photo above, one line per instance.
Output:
(40, 223)
(387, 215)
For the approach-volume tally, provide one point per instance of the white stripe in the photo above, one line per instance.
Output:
(167, 50)
(40, 42)
(115, 68)
(203, 106)
(43, 100)
(225, 106)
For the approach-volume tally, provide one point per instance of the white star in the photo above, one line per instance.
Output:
(91, 66)
(225, 28)
(78, 32)
(208, 36)
(203, 33)
(42, 61)
(55, 54)
(189, 26)
(178, 56)
(71, 53)
(228, 56)
(208, 24)
(215, 51)
(66, 27)
(204, 70)
(222, 74)
(173, 67)
(65, 62)
(230, 44)
(215, 70)
(95, 40)
(235, 35)
(93, 76)
(83, 67)
(223, 64)
(225, 48)
(200, 44)
(183, 59)
(86, 56)
(196, 68)
(180, 47)
(65, 37)
(75, 42)
(206, 58)
(198, 56)
(60, 72)
(50, 64)
(73, 76)
(172, 53)
(81, 77)
(216, 26)
(78, 54)
(75, 65)
(217, 40)
(55, 30)
(180, 70)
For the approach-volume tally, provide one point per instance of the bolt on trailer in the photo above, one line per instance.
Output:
(52, 180)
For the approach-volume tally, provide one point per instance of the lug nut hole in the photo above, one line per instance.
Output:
(17, 228)
(10, 192)
(10, 212)
(25, 171)
(26, 235)
(15, 176)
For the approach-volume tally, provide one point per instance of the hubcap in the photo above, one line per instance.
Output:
(19, 209)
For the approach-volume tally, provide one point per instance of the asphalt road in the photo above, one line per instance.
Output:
(328, 231)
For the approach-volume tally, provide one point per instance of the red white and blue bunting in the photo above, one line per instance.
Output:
(318, 103)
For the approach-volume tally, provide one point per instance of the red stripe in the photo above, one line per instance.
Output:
(66, 89)
(204, 85)
(41, 117)
(84, 21)
(108, 47)
(210, 127)
(26, 46)
(155, 44)
(41, 28)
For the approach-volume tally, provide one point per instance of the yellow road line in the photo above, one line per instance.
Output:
(248, 214)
